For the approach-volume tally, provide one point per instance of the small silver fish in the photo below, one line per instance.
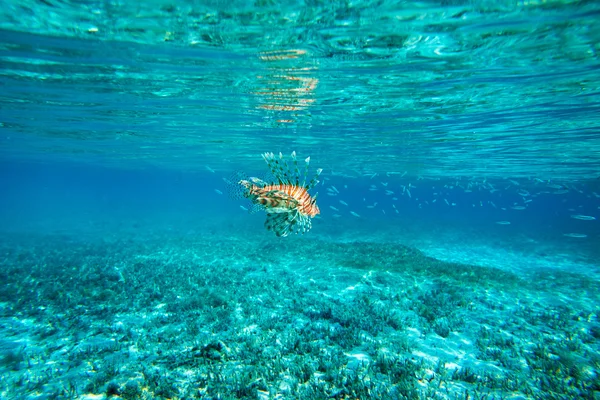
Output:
(584, 217)
(575, 235)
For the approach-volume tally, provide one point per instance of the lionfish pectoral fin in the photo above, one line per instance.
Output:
(285, 223)
(278, 223)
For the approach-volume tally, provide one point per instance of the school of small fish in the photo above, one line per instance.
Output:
(398, 192)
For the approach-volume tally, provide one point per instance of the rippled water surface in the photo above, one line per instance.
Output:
(452, 88)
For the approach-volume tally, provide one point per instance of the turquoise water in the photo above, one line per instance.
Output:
(455, 252)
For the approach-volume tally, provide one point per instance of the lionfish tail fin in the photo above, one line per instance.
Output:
(239, 185)
(233, 187)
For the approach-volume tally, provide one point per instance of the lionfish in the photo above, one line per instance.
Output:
(288, 204)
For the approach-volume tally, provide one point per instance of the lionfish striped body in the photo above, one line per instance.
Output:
(288, 204)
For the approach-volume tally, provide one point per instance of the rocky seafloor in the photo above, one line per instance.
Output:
(220, 317)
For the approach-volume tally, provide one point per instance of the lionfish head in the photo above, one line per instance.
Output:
(314, 208)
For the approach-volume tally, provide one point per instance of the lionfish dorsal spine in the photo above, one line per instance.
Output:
(275, 166)
(314, 180)
(283, 170)
(283, 173)
(296, 181)
(306, 164)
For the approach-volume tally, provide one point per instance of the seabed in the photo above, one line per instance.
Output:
(225, 316)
